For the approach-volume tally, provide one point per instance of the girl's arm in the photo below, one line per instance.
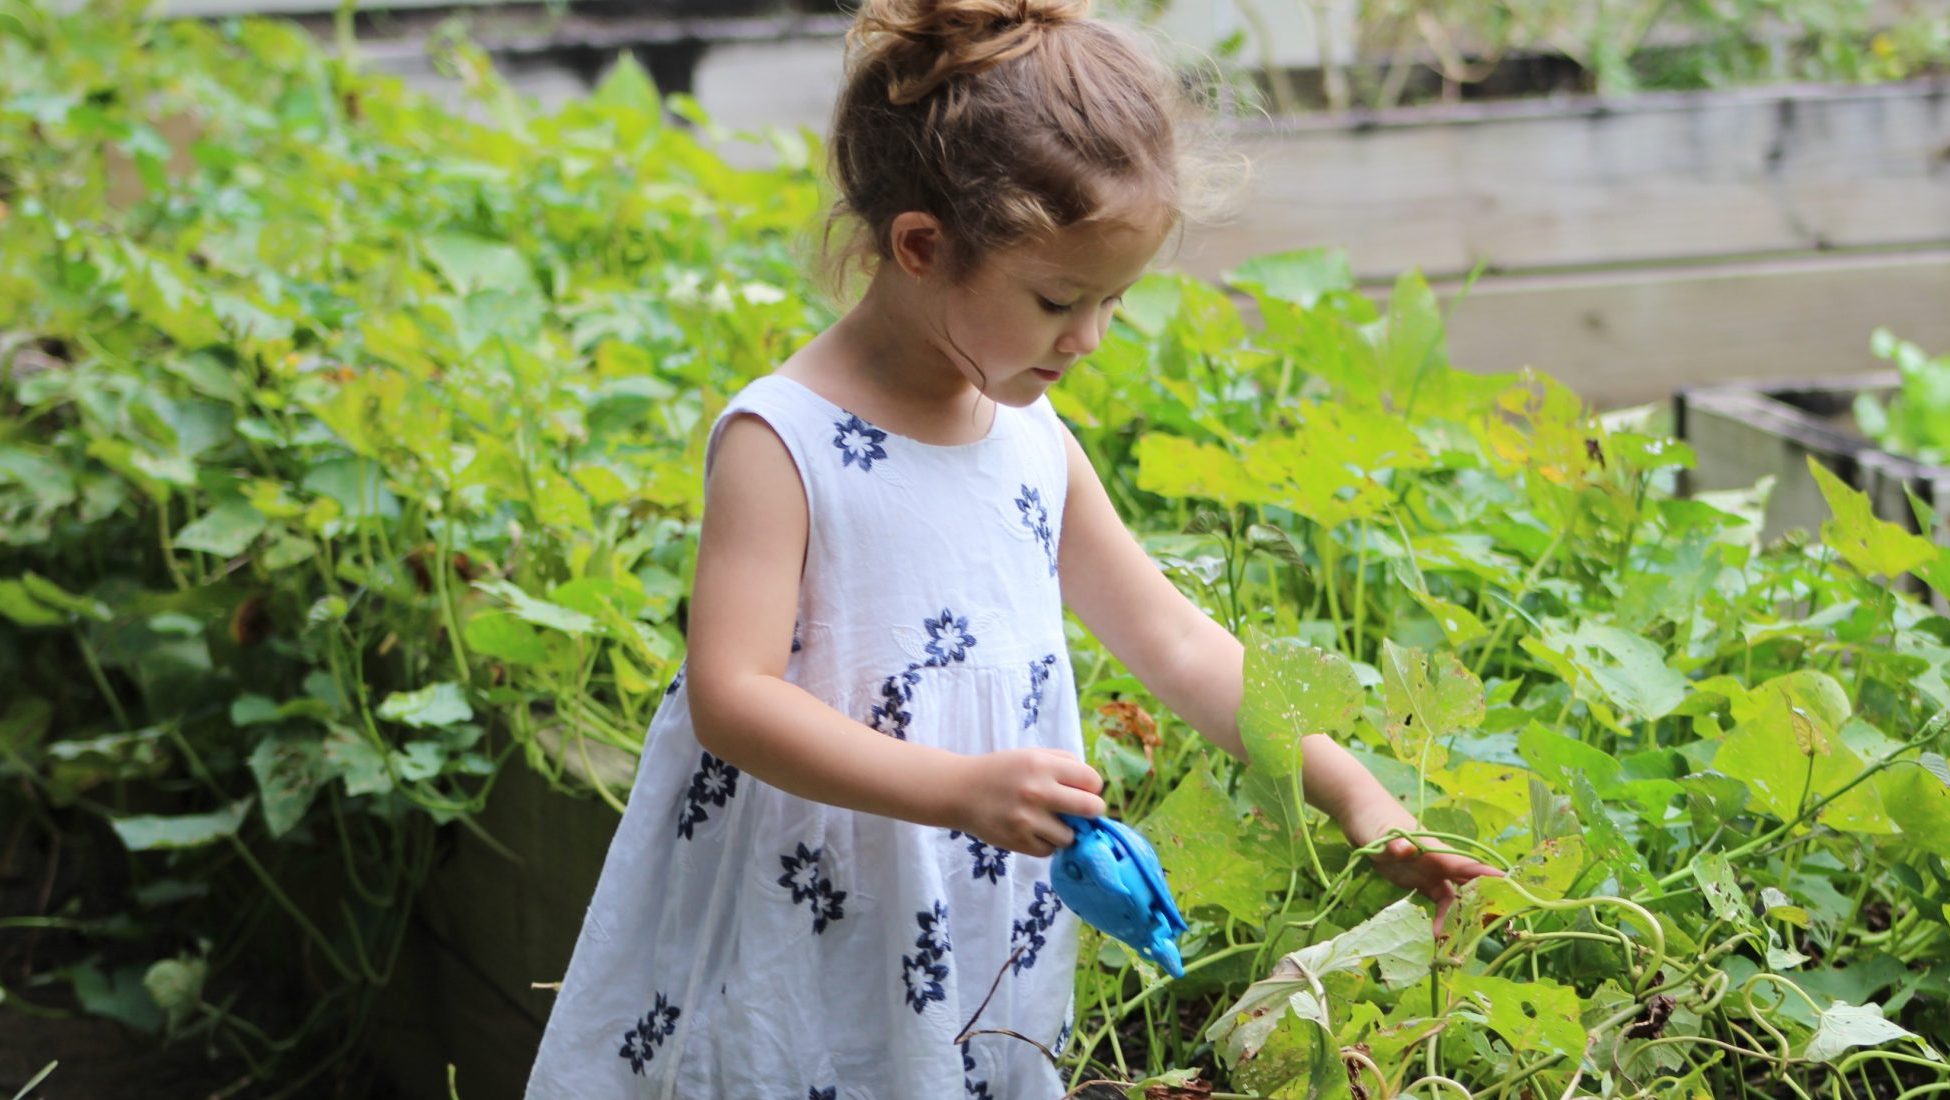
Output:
(1196, 668)
(1193, 665)
(751, 553)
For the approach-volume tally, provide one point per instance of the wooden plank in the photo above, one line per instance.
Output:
(500, 927)
(1624, 338)
(1655, 178)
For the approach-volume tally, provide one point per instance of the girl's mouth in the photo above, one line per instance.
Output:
(1047, 375)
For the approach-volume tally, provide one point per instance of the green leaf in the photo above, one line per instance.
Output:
(539, 612)
(1842, 1027)
(1917, 797)
(1292, 691)
(1873, 546)
(1722, 890)
(1767, 756)
(361, 765)
(176, 985)
(253, 710)
(441, 704)
(144, 832)
(1302, 277)
(1399, 941)
(286, 551)
(1559, 758)
(116, 996)
(356, 485)
(1198, 837)
(53, 595)
(469, 263)
(289, 771)
(1172, 466)
(24, 723)
(1546, 873)
(1411, 348)
(419, 761)
(24, 609)
(502, 635)
(1627, 669)
(1809, 705)
(1460, 626)
(628, 86)
(225, 531)
(1297, 1059)
(1535, 1015)
(1427, 697)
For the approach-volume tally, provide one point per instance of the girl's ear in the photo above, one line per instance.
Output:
(919, 243)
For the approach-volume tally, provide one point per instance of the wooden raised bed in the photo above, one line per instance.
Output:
(489, 928)
(1742, 433)
(1631, 247)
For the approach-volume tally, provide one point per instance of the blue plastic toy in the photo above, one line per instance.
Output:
(1110, 876)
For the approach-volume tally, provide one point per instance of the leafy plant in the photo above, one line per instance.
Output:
(349, 449)
(1714, 769)
(1916, 421)
(351, 456)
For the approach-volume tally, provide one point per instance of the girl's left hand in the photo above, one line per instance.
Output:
(1435, 874)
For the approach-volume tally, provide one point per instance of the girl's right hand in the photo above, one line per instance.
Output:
(1011, 798)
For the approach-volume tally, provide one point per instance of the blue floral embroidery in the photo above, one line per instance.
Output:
(890, 716)
(858, 441)
(714, 783)
(830, 1092)
(969, 1084)
(1032, 703)
(948, 642)
(797, 645)
(1028, 933)
(924, 971)
(811, 888)
(1063, 1037)
(990, 862)
(640, 1042)
(1035, 516)
(948, 639)
(676, 682)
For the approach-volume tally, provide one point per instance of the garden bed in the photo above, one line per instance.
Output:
(1744, 432)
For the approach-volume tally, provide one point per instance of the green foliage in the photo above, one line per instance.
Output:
(1634, 45)
(1916, 421)
(351, 453)
(348, 448)
(1705, 762)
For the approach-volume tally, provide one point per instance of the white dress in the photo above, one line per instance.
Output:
(748, 944)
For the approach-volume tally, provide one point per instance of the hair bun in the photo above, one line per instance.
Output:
(923, 43)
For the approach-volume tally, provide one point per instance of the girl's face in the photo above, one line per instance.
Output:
(1029, 313)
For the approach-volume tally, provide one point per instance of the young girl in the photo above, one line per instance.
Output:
(837, 842)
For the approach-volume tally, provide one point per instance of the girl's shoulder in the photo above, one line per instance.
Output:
(782, 405)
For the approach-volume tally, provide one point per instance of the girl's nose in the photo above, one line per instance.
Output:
(1083, 333)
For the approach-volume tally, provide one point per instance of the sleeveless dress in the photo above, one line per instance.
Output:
(746, 943)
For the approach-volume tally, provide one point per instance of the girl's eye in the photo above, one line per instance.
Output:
(1057, 307)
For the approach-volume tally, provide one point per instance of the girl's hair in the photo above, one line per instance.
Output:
(1006, 120)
